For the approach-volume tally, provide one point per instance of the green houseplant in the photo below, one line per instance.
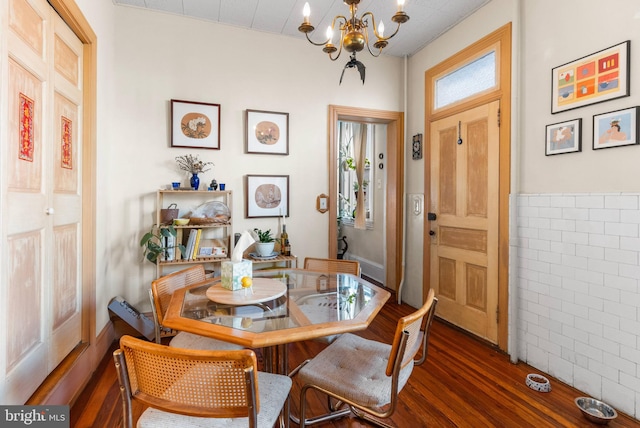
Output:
(155, 243)
(265, 244)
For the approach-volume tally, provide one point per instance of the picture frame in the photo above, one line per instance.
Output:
(416, 152)
(195, 124)
(616, 128)
(266, 196)
(266, 132)
(563, 137)
(598, 77)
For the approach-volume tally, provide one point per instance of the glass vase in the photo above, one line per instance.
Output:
(195, 182)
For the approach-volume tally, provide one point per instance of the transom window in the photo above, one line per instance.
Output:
(472, 78)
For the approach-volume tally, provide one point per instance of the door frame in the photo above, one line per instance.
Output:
(394, 164)
(502, 39)
(66, 381)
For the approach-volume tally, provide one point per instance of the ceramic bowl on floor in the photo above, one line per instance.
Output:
(595, 410)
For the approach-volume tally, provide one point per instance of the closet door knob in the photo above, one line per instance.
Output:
(49, 211)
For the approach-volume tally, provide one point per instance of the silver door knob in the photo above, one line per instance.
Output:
(49, 211)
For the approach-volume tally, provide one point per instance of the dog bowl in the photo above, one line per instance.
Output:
(595, 410)
(180, 221)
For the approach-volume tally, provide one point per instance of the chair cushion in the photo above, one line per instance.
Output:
(195, 341)
(354, 368)
(273, 391)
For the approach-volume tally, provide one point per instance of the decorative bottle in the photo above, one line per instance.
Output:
(285, 246)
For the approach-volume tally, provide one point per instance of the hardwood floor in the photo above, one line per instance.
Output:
(464, 383)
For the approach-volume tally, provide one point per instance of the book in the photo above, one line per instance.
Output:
(190, 243)
(196, 245)
(171, 250)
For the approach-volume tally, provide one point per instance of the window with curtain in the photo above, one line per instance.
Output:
(349, 194)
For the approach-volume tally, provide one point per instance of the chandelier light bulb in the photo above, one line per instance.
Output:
(329, 34)
(306, 12)
(400, 5)
(381, 29)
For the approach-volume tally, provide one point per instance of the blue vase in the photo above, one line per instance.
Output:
(195, 182)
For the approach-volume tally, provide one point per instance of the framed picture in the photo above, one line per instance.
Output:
(417, 147)
(616, 128)
(595, 78)
(266, 196)
(195, 124)
(564, 137)
(266, 132)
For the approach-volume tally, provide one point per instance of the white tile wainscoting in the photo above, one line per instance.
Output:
(578, 270)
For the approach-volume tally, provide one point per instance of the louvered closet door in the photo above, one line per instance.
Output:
(41, 196)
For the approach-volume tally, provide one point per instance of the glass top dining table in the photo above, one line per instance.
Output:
(306, 305)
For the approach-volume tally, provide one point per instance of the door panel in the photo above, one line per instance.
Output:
(42, 207)
(464, 248)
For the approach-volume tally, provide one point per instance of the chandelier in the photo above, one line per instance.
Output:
(354, 34)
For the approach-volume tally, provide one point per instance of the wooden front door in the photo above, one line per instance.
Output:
(464, 157)
(42, 205)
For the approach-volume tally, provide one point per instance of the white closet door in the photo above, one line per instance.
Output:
(41, 196)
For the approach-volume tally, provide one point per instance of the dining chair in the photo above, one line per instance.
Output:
(160, 295)
(197, 388)
(332, 265)
(366, 375)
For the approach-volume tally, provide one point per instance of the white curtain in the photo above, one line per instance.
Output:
(360, 139)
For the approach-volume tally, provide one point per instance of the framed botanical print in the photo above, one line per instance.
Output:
(266, 196)
(195, 124)
(266, 132)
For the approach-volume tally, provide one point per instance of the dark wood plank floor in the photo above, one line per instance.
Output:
(464, 383)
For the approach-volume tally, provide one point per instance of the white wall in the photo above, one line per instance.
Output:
(148, 58)
(548, 46)
(575, 253)
(494, 15)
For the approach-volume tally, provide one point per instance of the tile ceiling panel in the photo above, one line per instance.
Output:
(428, 18)
(204, 9)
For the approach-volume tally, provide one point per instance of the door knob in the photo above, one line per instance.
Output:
(432, 233)
(49, 211)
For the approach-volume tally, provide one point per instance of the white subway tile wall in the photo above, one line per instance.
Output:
(578, 273)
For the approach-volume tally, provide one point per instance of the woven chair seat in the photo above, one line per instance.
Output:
(194, 341)
(273, 391)
(354, 367)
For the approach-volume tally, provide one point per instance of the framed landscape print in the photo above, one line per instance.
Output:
(266, 196)
(195, 124)
(616, 128)
(595, 78)
(564, 137)
(266, 132)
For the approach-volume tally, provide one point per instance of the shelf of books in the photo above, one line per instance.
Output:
(205, 239)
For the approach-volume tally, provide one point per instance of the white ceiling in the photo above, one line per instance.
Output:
(428, 18)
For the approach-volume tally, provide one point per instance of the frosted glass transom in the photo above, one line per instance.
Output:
(470, 79)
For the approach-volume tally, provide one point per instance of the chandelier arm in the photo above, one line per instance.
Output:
(314, 43)
(384, 39)
(339, 49)
(333, 26)
(366, 37)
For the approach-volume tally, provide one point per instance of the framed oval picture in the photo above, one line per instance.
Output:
(266, 132)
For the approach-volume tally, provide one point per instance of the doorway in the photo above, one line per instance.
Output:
(467, 186)
(394, 166)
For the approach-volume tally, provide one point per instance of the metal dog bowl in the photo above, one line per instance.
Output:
(595, 410)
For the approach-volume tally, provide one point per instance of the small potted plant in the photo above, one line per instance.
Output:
(266, 242)
(157, 244)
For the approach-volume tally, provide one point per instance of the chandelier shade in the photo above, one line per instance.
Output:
(354, 30)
